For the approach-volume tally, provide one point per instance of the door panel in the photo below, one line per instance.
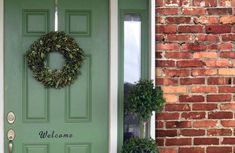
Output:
(73, 119)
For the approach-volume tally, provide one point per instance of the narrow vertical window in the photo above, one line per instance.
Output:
(132, 68)
(132, 48)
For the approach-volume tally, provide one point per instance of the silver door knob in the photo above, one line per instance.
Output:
(11, 137)
(11, 117)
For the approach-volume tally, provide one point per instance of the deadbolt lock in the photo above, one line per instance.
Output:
(11, 135)
(11, 117)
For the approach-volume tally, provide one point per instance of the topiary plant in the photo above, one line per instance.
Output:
(139, 145)
(144, 98)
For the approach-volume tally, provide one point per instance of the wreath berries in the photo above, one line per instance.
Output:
(37, 55)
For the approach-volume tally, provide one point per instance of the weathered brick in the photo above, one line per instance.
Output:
(185, 3)
(178, 141)
(220, 115)
(207, 37)
(219, 11)
(227, 89)
(228, 37)
(177, 107)
(190, 29)
(178, 55)
(204, 72)
(192, 132)
(168, 150)
(206, 20)
(233, 28)
(194, 11)
(228, 123)
(166, 133)
(193, 115)
(204, 89)
(178, 37)
(178, 20)
(176, 72)
(219, 81)
(159, 3)
(158, 55)
(205, 55)
(175, 3)
(191, 81)
(217, 29)
(166, 81)
(174, 89)
(227, 3)
(178, 124)
(233, 11)
(160, 20)
(166, 29)
(191, 98)
(204, 124)
(232, 63)
(227, 19)
(159, 37)
(159, 124)
(212, 47)
(194, 47)
(218, 63)
(226, 71)
(158, 72)
(165, 63)
(167, 116)
(228, 141)
(170, 98)
(203, 3)
(160, 142)
(191, 150)
(190, 63)
(167, 11)
(225, 46)
(219, 98)
(220, 149)
(172, 3)
(204, 107)
(167, 46)
(219, 132)
(227, 54)
(206, 141)
(230, 106)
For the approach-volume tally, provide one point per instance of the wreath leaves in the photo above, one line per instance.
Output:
(36, 58)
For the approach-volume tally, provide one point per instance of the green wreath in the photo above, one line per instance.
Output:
(37, 55)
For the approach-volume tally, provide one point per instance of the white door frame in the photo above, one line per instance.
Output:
(1, 76)
(113, 76)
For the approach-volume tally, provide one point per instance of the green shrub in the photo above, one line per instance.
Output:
(139, 145)
(144, 98)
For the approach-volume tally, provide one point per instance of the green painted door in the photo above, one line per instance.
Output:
(72, 119)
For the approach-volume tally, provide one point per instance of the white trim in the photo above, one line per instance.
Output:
(152, 41)
(113, 77)
(1, 76)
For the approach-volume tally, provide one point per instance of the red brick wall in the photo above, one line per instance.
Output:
(195, 66)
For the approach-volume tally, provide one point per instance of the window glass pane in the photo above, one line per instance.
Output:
(132, 48)
(132, 68)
